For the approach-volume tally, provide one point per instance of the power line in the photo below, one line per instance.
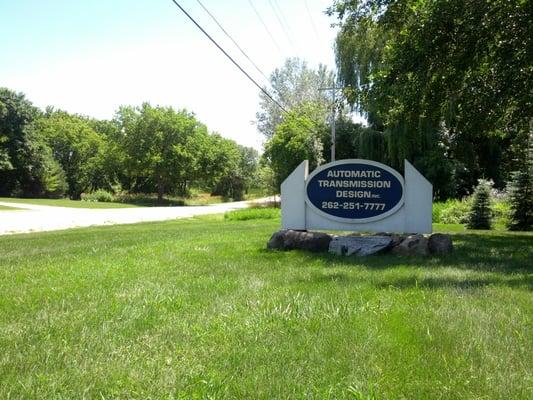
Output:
(311, 19)
(227, 55)
(282, 25)
(233, 40)
(287, 25)
(266, 27)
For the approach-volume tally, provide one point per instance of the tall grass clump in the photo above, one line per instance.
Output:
(451, 211)
(252, 213)
(100, 195)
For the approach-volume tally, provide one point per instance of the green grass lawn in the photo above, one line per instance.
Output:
(6, 208)
(65, 203)
(198, 309)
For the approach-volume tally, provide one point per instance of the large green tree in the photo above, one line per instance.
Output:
(448, 81)
(27, 167)
(292, 85)
(298, 137)
(161, 148)
(76, 146)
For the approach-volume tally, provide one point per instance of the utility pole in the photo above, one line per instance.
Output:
(333, 117)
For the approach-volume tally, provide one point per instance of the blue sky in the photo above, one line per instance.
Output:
(91, 56)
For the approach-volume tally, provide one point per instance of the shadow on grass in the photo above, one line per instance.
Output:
(524, 282)
(489, 252)
(431, 282)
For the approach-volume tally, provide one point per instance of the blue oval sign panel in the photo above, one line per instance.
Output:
(355, 190)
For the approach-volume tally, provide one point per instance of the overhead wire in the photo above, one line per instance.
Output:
(311, 19)
(282, 14)
(233, 40)
(228, 56)
(266, 27)
(284, 29)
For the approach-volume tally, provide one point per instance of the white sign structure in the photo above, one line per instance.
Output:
(357, 195)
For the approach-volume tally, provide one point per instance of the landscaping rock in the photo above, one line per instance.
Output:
(359, 246)
(290, 240)
(439, 243)
(396, 239)
(412, 245)
(277, 241)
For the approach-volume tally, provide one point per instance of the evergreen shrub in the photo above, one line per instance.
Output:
(480, 215)
(521, 201)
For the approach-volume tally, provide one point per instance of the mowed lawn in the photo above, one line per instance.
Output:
(64, 203)
(6, 208)
(199, 309)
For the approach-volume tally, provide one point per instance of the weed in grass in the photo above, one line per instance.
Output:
(252, 213)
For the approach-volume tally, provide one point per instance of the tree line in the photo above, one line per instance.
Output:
(144, 149)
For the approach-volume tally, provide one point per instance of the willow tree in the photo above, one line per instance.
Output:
(449, 82)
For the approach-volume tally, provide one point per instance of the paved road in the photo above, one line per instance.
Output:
(36, 218)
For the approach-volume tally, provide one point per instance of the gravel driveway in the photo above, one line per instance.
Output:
(34, 218)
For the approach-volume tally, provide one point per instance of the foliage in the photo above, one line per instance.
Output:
(452, 211)
(100, 195)
(266, 178)
(248, 167)
(298, 137)
(157, 145)
(292, 85)
(27, 166)
(354, 140)
(229, 168)
(448, 82)
(521, 194)
(480, 215)
(252, 213)
(76, 146)
(142, 150)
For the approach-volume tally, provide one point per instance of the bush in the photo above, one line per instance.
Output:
(480, 216)
(501, 211)
(252, 213)
(100, 196)
(451, 211)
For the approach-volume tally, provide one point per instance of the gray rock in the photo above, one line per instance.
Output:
(396, 239)
(439, 243)
(412, 245)
(360, 246)
(277, 241)
(290, 240)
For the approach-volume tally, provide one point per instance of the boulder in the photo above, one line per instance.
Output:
(439, 243)
(412, 245)
(359, 245)
(290, 240)
(396, 239)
